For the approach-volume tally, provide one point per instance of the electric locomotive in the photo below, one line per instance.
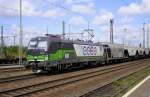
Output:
(54, 53)
(51, 52)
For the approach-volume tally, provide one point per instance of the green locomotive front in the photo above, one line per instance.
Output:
(51, 53)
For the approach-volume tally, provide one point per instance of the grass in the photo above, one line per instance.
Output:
(130, 81)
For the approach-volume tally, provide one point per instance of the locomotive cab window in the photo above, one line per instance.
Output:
(32, 44)
(42, 45)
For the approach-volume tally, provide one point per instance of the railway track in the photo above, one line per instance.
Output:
(11, 68)
(16, 78)
(30, 89)
(111, 90)
(27, 76)
(13, 73)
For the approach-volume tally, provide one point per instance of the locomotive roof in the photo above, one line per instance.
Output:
(80, 42)
(58, 38)
(38, 38)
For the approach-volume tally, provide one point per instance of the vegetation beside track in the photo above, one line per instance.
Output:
(120, 87)
(125, 84)
(10, 54)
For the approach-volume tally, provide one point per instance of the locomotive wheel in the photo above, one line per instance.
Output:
(126, 54)
(137, 54)
(144, 54)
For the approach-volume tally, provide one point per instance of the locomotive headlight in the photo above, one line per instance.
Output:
(35, 57)
(46, 57)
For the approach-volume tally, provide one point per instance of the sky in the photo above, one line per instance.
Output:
(46, 16)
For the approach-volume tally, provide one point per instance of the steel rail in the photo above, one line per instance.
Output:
(16, 78)
(59, 82)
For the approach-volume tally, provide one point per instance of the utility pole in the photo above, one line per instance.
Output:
(125, 38)
(20, 38)
(14, 40)
(147, 35)
(47, 30)
(111, 31)
(143, 35)
(63, 29)
(2, 41)
(69, 30)
(88, 30)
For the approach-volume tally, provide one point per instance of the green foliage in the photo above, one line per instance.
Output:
(12, 52)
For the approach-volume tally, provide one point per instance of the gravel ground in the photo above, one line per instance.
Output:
(70, 90)
(15, 73)
(79, 88)
(127, 82)
(44, 78)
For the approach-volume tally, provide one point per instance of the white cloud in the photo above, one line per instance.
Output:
(130, 36)
(11, 8)
(146, 6)
(51, 13)
(30, 9)
(130, 10)
(28, 33)
(126, 20)
(77, 21)
(135, 8)
(82, 8)
(102, 18)
(78, 1)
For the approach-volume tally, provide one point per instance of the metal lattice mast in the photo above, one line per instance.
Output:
(111, 31)
(89, 32)
(63, 29)
(147, 35)
(143, 35)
